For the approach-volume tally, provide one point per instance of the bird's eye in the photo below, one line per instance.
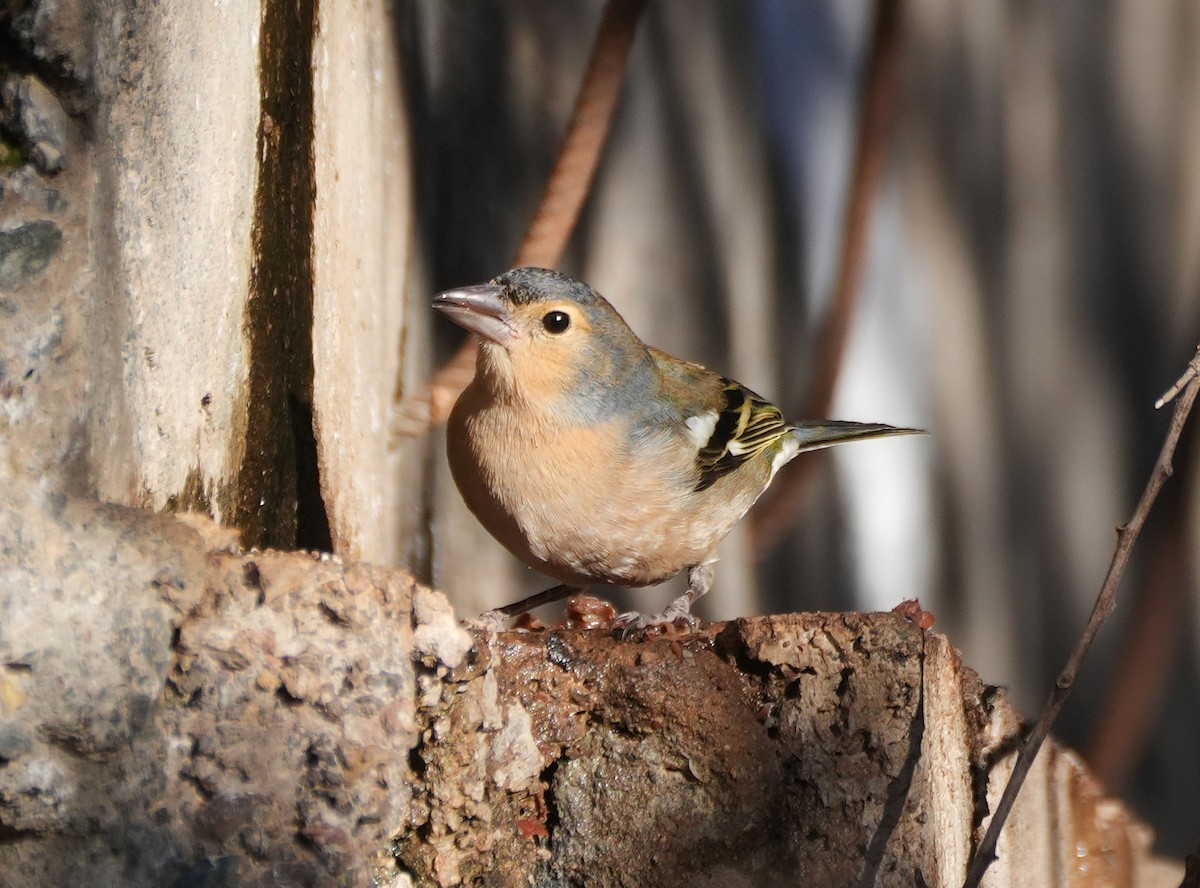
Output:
(556, 321)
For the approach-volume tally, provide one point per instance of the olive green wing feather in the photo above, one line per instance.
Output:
(730, 425)
(746, 426)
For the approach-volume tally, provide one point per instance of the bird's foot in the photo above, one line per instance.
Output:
(487, 626)
(491, 621)
(677, 610)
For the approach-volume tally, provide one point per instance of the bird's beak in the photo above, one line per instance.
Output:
(481, 309)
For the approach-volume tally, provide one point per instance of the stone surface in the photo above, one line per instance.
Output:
(45, 193)
(56, 34)
(26, 250)
(174, 714)
(33, 113)
(806, 749)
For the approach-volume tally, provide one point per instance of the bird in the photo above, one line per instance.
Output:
(598, 459)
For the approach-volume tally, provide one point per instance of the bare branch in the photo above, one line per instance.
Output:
(1140, 685)
(1174, 390)
(1189, 384)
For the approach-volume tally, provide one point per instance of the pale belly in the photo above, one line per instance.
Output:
(621, 515)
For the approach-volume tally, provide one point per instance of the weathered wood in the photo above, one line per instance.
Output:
(371, 317)
(208, 244)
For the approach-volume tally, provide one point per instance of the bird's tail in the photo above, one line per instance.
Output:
(828, 432)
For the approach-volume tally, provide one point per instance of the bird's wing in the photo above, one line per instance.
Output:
(726, 422)
(746, 426)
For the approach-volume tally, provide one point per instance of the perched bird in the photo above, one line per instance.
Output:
(595, 458)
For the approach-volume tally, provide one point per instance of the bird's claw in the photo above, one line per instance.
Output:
(629, 623)
(489, 622)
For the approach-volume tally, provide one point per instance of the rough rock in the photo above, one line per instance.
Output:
(171, 714)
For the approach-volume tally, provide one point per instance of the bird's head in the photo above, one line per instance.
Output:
(544, 334)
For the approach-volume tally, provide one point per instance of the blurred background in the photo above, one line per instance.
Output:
(1030, 286)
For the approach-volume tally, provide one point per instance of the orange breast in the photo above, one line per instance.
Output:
(578, 502)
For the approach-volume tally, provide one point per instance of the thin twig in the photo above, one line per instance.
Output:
(780, 506)
(1141, 680)
(1189, 384)
(560, 206)
(1170, 394)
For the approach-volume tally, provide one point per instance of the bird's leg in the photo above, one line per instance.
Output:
(498, 617)
(700, 577)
